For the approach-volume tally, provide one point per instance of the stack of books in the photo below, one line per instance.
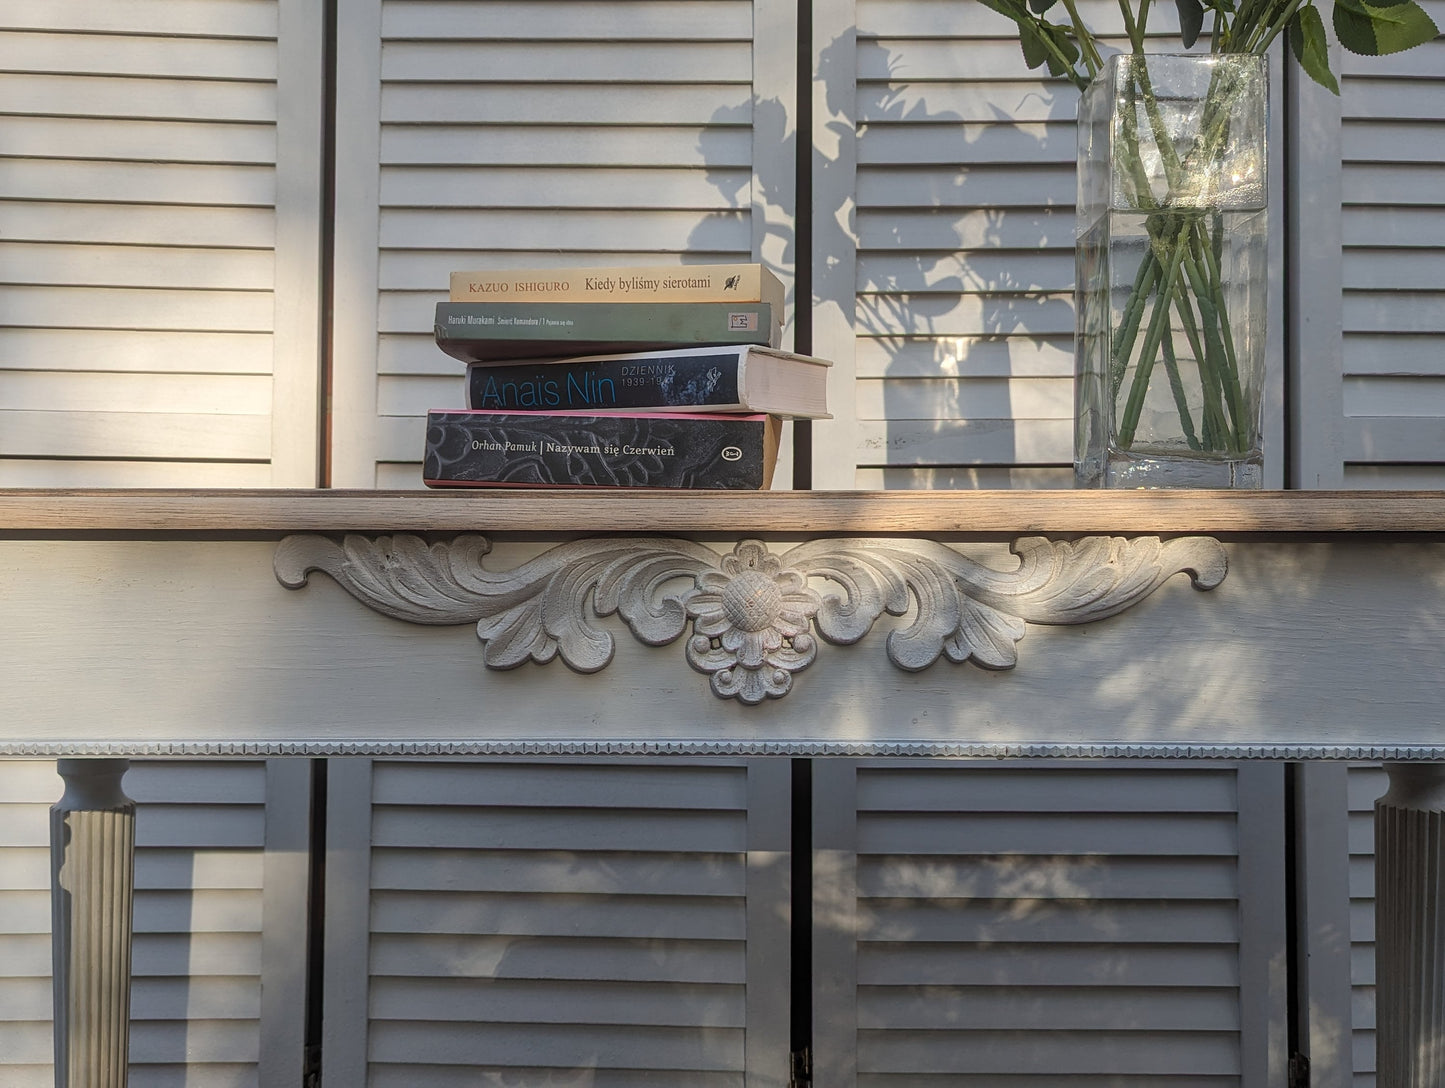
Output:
(618, 377)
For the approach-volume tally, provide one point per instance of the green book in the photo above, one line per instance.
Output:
(484, 331)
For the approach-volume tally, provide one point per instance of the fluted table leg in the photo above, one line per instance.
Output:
(92, 854)
(1410, 928)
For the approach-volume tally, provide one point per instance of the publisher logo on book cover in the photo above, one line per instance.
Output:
(732, 453)
(743, 322)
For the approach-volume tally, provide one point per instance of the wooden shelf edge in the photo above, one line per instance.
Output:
(727, 512)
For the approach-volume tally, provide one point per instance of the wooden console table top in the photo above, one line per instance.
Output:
(968, 513)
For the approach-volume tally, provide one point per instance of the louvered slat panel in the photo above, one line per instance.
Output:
(961, 193)
(1365, 785)
(1393, 266)
(1049, 925)
(518, 135)
(149, 159)
(534, 922)
(196, 995)
(964, 255)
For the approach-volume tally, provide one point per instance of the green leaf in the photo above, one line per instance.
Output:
(1311, 48)
(1038, 7)
(1064, 44)
(1036, 53)
(1375, 31)
(1014, 9)
(1191, 20)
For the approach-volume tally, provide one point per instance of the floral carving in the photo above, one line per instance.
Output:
(750, 624)
(754, 614)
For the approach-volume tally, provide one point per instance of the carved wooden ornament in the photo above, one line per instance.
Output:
(753, 614)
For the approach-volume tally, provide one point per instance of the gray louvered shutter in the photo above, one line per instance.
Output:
(1366, 784)
(220, 914)
(1393, 266)
(526, 923)
(159, 211)
(943, 256)
(950, 312)
(1053, 925)
(513, 135)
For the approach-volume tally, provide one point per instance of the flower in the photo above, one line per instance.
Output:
(751, 624)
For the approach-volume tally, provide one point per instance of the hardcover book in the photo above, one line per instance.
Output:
(647, 283)
(483, 331)
(712, 379)
(571, 449)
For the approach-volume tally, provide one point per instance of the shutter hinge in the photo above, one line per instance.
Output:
(1299, 1071)
(800, 1068)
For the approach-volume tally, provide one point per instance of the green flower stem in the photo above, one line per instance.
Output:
(1136, 39)
(1211, 408)
(1088, 49)
(1168, 156)
(1229, 362)
(1216, 425)
(1144, 281)
(1176, 386)
(1257, 44)
(1182, 250)
(1158, 324)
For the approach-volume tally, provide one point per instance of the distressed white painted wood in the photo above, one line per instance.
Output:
(1249, 667)
(112, 597)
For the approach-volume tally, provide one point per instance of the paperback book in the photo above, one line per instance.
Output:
(571, 449)
(488, 331)
(645, 283)
(747, 378)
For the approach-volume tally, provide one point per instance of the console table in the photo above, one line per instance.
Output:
(1212, 625)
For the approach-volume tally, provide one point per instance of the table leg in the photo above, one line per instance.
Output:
(1410, 928)
(92, 864)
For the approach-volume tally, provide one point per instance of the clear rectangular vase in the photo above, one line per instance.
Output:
(1171, 288)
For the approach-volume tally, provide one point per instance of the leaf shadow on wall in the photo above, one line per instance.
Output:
(961, 234)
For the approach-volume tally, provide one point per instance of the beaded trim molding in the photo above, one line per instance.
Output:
(584, 747)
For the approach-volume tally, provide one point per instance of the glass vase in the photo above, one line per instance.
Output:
(1171, 288)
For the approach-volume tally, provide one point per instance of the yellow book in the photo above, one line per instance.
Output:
(671, 283)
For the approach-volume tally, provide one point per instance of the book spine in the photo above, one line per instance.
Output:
(478, 331)
(708, 381)
(519, 449)
(689, 283)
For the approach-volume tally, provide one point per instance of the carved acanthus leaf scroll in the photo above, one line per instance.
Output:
(753, 613)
